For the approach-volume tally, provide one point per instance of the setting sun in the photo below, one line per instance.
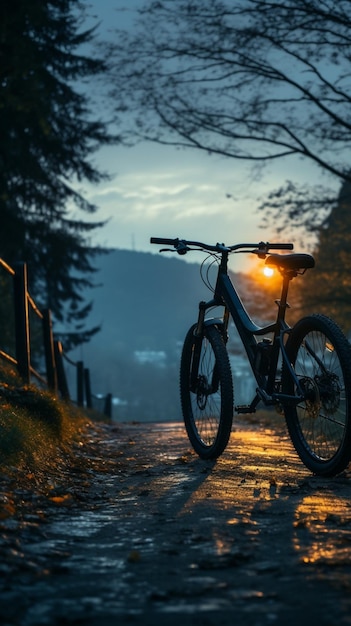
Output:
(268, 271)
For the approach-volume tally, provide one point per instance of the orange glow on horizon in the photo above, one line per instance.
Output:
(268, 271)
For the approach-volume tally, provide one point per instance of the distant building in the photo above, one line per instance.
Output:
(243, 379)
(156, 357)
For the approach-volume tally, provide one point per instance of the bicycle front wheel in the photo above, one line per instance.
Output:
(206, 391)
(319, 426)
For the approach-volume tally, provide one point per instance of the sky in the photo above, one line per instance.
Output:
(166, 192)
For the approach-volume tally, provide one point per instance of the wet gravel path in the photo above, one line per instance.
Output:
(135, 529)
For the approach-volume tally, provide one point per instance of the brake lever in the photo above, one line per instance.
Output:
(260, 253)
(262, 250)
(181, 248)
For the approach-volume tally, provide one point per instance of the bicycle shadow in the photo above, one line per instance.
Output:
(169, 538)
(273, 531)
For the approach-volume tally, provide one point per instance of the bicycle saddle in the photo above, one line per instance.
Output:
(291, 261)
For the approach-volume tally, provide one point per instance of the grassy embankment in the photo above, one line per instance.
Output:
(34, 425)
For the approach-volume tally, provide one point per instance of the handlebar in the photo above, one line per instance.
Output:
(162, 241)
(279, 246)
(182, 246)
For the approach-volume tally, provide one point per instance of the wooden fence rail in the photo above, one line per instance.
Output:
(55, 377)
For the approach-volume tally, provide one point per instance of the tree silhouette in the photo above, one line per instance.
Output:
(327, 288)
(49, 132)
(254, 80)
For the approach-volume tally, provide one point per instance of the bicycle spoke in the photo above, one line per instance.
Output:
(206, 406)
(207, 402)
(320, 426)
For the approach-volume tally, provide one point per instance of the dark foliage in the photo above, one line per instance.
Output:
(327, 288)
(48, 134)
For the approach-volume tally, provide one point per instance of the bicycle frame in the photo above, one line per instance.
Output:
(226, 295)
(304, 370)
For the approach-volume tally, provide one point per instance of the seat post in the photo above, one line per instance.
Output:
(282, 303)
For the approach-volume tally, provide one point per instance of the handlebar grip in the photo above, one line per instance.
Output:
(281, 246)
(163, 241)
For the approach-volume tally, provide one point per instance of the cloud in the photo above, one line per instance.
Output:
(159, 191)
(149, 201)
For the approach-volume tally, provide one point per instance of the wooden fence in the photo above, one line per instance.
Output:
(54, 377)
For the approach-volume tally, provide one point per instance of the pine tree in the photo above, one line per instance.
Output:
(49, 133)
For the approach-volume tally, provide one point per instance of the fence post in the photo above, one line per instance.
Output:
(108, 405)
(80, 383)
(49, 351)
(61, 376)
(21, 320)
(87, 387)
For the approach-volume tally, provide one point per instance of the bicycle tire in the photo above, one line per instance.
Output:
(320, 426)
(208, 416)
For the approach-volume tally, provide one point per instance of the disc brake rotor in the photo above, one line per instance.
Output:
(329, 391)
(312, 396)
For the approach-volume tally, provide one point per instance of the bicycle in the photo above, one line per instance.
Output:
(304, 370)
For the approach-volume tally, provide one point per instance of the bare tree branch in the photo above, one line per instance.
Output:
(258, 81)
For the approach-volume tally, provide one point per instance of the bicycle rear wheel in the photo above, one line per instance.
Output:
(206, 391)
(320, 426)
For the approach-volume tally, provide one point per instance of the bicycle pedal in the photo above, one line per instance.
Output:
(245, 408)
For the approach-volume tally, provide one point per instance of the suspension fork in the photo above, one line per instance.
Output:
(198, 339)
(223, 328)
(198, 336)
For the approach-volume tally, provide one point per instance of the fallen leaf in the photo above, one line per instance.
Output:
(62, 500)
(7, 509)
(134, 556)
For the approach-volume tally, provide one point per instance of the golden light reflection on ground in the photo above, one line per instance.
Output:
(322, 529)
(259, 490)
(156, 535)
(222, 544)
(261, 468)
